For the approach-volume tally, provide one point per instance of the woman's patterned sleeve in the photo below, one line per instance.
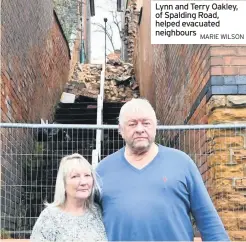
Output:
(101, 228)
(44, 228)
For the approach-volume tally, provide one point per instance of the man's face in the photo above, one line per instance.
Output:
(138, 131)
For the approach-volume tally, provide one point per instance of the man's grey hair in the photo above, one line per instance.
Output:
(67, 165)
(136, 105)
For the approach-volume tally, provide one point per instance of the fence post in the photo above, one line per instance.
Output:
(94, 158)
(99, 134)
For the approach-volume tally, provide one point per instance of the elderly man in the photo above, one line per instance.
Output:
(149, 191)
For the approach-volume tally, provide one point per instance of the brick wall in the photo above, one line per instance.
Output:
(143, 57)
(180, 79)
(228, 60)
(226, 161)
(180, 73)
(35, 61)
(34, 69)
(170, 76)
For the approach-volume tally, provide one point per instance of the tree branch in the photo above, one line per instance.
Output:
(109, 32)
(113, 27)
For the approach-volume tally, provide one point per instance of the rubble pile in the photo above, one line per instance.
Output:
(120, 84)
(85, 80)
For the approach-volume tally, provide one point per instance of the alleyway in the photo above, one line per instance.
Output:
(48, 78)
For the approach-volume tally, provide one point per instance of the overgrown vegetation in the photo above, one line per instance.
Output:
(67, 12)
(5, 234)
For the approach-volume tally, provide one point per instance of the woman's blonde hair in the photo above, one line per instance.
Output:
(67, 165)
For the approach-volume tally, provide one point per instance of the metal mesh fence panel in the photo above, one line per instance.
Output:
(29, 163)
(30, 159)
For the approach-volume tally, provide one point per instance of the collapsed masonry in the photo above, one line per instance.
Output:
(120, 84)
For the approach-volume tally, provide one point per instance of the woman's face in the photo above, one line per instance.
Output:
(79, 183)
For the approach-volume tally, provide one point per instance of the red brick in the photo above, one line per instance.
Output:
(242, 70)
(223, 51)
(230, 70)
(206, 78)
(204, 120)
(241, 51)
(217, 61)
(233, 60)
(216, 70)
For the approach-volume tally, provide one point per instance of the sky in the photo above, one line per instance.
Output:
(102, 10)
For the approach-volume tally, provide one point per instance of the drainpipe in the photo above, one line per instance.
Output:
(82, 50)
(105, 30)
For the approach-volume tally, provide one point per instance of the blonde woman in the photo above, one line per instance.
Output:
(72, 216)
